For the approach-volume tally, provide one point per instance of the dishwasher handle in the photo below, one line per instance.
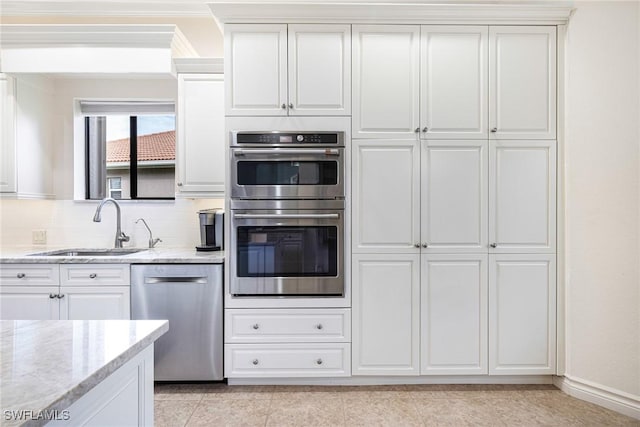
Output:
(174, 279)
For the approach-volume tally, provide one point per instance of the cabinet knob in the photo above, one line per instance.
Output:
(319, 362)
(60, 296)
(255, 361)
(424, 129)
(283, 106)
(319, 326)
(424, 245)
(52, 296)
(256, 326)
(179, 184)
(494, 130)
(20, 275)
(416, 245)
(494, 245)
(291, 105)
(416, 130)
(93, 275)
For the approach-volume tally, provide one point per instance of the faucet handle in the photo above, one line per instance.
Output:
(123, 237)
(153, 242)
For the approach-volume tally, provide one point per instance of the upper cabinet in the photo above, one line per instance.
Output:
(386, 83)
(7, 134)
(522, 82)
(295, 70)
(454, 82)
(201, 135)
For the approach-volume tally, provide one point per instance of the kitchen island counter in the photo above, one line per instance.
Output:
(48, 365)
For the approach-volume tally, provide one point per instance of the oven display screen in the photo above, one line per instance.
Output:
(286, 139)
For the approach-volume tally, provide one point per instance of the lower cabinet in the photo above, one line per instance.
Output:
(287, 343)
(66, 292)
(453, 314)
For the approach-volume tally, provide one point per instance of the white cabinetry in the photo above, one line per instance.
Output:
(280, 70)
(453, 81)
(7, 134)
(453, 332)
(287, 343)
(522, 194)
(201, 160)
(66, 292)
(386, 314)
(522, 82)
(522, 314)
(386, 82)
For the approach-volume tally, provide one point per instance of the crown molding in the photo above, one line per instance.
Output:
(199, 65)
(392, 12)
(138, 8)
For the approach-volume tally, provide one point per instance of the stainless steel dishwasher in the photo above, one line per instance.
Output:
(190, 297)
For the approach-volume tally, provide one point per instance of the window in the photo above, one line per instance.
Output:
(130, 149)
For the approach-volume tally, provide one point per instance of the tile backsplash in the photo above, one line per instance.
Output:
(70, 223)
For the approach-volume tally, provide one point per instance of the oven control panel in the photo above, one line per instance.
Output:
(280, 138)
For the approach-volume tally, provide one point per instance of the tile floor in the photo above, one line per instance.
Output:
(407, 405)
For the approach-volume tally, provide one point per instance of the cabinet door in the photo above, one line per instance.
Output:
(454, 314)
(522, 196)
(453, 81)
(454, 196)
(319, 70)
(95, 302)
(386, 304)
(29, 303)
(522, 82)
(256, 68)
(201, 134)
(7, 135)
(386, 84)
(386, 196)
(522, 314)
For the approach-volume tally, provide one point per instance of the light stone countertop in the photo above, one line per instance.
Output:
(9, 255)
(47, 365)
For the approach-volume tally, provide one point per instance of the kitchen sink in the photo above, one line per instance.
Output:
(88, 252)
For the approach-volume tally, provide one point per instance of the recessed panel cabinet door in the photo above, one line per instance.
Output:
(319, 69)
(454, 196)
(453, 314)
(201, 136)
(522, 82)
(29, 303)
(256, 64)
(386, 196)
(522, 314)
(386, 86)
(95, 303)
(454, 81)
(7, 134)
(385, 314)
(522, 196)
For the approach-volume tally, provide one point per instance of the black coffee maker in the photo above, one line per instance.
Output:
(211, 230)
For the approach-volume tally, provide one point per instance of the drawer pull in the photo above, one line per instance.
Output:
(93, 275)
(20, 275)
(256, 326)
(319, 362)
(255, 361)
(52, 296)
(319, 326)
(60, 296)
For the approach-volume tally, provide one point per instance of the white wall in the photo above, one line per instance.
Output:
(603, 195)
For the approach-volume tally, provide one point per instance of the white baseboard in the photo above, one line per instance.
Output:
(379, 380)
(600, 395)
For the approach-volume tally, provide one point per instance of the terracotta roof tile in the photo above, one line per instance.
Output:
(155, 146)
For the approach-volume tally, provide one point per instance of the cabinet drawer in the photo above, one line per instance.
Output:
(94, 274)
(295, 325)
(287, 360)
(29, 274)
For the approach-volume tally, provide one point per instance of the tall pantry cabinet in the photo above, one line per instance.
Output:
(454, 190)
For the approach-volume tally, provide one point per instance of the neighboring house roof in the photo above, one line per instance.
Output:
(154, 146)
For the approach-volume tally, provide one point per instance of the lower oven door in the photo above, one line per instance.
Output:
(287, 253)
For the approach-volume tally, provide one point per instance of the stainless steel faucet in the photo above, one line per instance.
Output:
(120, 236)
(152, 241)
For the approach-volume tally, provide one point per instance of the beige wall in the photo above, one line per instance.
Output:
(203, 33)
(603, 195)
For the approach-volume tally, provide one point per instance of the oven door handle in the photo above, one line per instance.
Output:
(287, 216)
(276, 151)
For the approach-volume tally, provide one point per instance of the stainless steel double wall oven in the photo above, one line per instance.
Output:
(287, 213)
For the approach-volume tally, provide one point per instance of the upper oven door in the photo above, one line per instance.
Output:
(287, 173)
